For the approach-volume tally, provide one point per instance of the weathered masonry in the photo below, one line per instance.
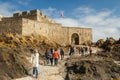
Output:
(27, 23)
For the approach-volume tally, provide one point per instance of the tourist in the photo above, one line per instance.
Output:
(51, 55)
(47, 55)
(56, 56)
(82, 50)
(90, 50)
(77, 50)
(86, 49)
(71, 50)
(61, 53)
(35, 62)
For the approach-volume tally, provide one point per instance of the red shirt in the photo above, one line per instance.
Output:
(56, 54)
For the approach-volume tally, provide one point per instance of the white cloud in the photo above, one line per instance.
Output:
(85, 10)
(6, 9)
(104, 32)
(67, 22)
(23, 2)
(52, 12)
(49, 11)
(104, 23)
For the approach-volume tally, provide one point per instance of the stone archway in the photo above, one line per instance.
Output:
(75, 39)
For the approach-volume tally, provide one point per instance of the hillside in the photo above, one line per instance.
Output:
(15, 51)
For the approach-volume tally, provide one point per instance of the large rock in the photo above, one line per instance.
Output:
(78, 69)
(100, 42)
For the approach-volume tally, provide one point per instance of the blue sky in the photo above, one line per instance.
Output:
(101, 15)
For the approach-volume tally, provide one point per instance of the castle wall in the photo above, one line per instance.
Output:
(34, 22)
(11, 25)
(33, 27)
(52, 31)
(56, 32)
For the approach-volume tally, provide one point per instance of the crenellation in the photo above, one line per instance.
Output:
(25, 14)
(41, 14)
(34, 15)
(34, 12)
(16, 15)
(45, 16)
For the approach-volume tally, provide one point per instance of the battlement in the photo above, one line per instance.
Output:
(34, 12)
(33, 15)
(17, 15)
(26, 13)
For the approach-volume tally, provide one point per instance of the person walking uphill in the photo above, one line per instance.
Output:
(61, 53)
(47, 55)
(71, 50)
(51, 56)
(56, 56)
(90, 50)
(35, 62)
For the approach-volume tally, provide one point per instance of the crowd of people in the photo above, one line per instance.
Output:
(80, 50)
(53, 55)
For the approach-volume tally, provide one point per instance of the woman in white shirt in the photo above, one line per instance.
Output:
(35, 62)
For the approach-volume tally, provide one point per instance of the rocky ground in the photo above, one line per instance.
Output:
(15, 51)
(92, 68)
(77, 67)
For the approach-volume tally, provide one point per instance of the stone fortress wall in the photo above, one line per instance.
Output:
(27, 23)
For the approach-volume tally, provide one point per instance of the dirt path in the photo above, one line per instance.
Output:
(50, 72)
(47, 72)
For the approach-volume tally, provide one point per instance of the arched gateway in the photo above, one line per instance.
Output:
(75, 39)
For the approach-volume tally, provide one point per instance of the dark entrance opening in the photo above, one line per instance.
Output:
(75, 39)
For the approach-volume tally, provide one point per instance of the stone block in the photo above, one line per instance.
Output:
(34, 12)
(24, 14)
(16, 15)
